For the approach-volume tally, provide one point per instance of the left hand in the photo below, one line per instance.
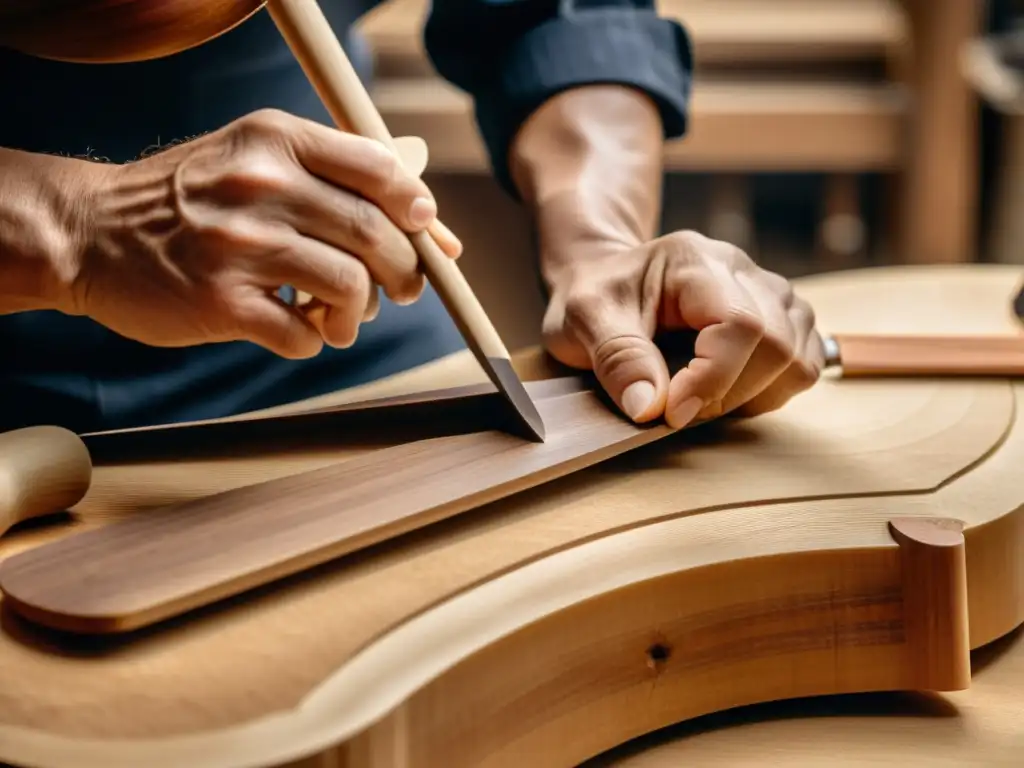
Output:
(756, 344)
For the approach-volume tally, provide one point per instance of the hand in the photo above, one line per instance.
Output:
(190, 245)
(756, 343)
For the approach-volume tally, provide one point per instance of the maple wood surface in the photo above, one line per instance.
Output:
(719, 567)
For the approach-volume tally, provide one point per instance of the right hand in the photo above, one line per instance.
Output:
(190, 245)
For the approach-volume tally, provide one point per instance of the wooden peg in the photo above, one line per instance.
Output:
(934, 573)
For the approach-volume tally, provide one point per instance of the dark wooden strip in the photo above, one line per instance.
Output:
(381, 421)
(168, 561)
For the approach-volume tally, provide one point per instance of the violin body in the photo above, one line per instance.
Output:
(116, 31)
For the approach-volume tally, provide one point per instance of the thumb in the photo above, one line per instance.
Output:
(629, 366)
(633, 372)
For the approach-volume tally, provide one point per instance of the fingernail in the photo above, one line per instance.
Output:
(422, 211)
(637, 398)
(684, 413)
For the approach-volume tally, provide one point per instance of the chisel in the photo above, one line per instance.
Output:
(327, 67)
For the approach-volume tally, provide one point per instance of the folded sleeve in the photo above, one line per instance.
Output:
(510, 56)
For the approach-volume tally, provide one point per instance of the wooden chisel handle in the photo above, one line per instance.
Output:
(309, 35)
(43, 470)
(883, 355)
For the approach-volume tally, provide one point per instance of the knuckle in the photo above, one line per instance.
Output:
(690, 237)
(622, 289)
(804, 376)
(352, 281)
(622, 355)
(804, 313)
(264, 123)
(228, 234)
(781, 345)
(739, 257)
(366, 225)
(402, 280)
(583, 308)
(384, 166)
(687, 243)
(785, 290)
(746, 322)
(797, 378)
(259, 175)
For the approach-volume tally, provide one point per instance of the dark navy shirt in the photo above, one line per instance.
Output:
(509, 55)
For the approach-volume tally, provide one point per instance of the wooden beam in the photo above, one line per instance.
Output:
(941, 183)
(723, 31)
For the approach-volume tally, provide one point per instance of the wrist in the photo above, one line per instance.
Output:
(588, 165)
(44, 203)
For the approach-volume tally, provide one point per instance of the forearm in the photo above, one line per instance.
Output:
(40, 203)
(588, 163)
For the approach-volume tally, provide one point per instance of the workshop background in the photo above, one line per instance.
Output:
(825, 134)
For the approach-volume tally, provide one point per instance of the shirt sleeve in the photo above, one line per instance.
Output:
(511, 56)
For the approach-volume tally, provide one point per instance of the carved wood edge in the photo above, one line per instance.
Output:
(815, 616)
(812, 611)
(385, 730)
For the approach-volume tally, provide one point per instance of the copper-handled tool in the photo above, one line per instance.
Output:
(43, 470)
(318, 51)
(865, 354)
(892, 355)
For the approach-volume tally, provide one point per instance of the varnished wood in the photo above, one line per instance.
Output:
(130, 575)
(725, 565)
(111, 31)
(930, 355)
(152, 567)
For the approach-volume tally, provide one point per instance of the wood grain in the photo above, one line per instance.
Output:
(111, 31)
(976, 727)
(179, 558)
(726, 565)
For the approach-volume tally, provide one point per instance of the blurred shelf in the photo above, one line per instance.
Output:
(735, 125)
(723, 31)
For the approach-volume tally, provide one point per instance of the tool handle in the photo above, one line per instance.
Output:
(316, 48)
(43, 470)
(882, 355)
